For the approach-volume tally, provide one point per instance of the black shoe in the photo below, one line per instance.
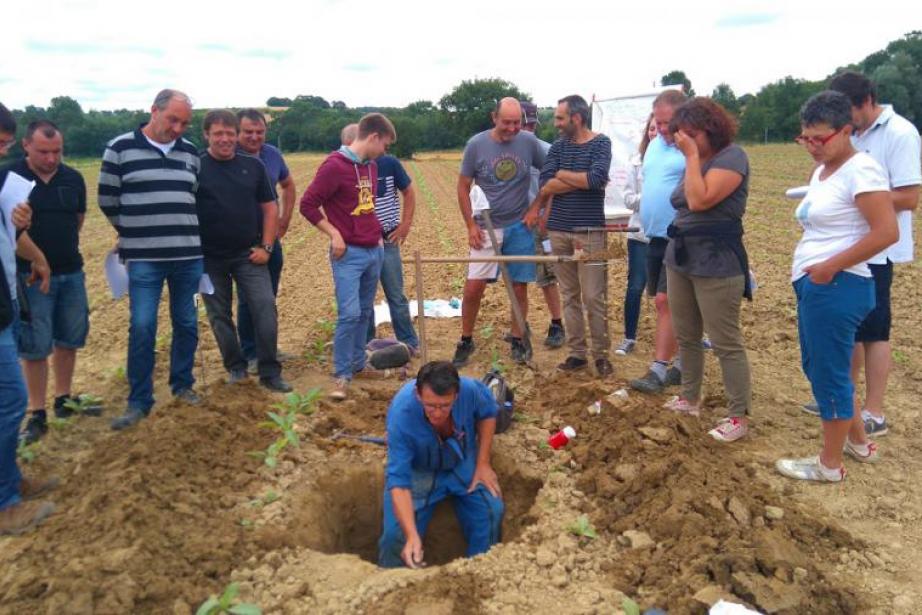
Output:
(673, 377)
(463, 352)
(519, 352)
(603, 367)
(237, 376)
(556, 336)
(573, 364)
(650, 383)
(36, 427)
(276, 384)
(131, 417)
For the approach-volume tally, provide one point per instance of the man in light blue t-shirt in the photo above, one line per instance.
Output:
(663, 170)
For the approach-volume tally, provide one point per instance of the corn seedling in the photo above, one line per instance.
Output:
(227, 603)
(497, 363)
(27, 452)
(118, 373)
(59, 424)
(629, 607)
(82, 403)
(285, 423)
(582, 528)
(486, 332)
(299, 404)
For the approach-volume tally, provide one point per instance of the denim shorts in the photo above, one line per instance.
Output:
(59, 318)
(514, 240)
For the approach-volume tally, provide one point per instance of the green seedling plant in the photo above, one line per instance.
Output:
(497, 363)
(298, 403)
(59, 424)
(27, 452)
(269, 497)
(486, 332)
(119, 373)
(228, 604)
(629, 607)
(82, 403)
(582, 528)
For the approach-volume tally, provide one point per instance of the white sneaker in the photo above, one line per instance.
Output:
(810, 468)
(865, 454)
(682, 406)
(730, 429)
(626, 347)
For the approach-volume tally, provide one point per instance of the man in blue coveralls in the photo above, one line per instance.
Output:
(439, 434)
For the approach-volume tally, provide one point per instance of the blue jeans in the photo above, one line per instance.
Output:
(145, 286)
(60, 318)
(636, 282)
(13, 401)
(355, 276)
(244, 316)
(480, 515)
(392, 283)
(827, 317)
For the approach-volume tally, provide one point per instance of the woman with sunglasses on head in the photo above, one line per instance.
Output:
(637, 244)
(707, 269)
(847, 217)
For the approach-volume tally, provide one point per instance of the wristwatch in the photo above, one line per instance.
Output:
(267, 247)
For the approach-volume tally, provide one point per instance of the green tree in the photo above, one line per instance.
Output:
(275, 101)
(676, 77)
(65, 112)
(724, 96)
(470, 103)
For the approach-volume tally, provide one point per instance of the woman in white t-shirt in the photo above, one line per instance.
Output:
(847, 217)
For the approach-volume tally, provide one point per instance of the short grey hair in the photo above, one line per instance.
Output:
(349, 133)
(163, 98)
(827, 107)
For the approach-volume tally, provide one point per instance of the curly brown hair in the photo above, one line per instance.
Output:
(700, 113)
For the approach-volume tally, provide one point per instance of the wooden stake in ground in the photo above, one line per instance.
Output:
(507, 281)
(421, 309)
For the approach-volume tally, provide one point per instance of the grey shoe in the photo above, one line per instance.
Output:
(188, 396)
(650, 383)
(673, 377)
(556, 336)
(237, 375)
(626, 347)
(131, 417)
(276, 384)
(253, 366)
(811, 408)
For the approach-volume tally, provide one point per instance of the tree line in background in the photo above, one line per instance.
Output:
(311, 123)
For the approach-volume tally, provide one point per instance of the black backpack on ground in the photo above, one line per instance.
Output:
(504, 396)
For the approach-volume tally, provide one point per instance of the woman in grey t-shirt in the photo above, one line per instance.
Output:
(706, 264)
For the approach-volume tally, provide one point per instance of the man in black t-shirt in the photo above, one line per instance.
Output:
(238, 222)
(59, 318)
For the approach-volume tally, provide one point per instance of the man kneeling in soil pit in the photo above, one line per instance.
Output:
(439, 433)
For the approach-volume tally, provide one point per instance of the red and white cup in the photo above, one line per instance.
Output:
(562, 437)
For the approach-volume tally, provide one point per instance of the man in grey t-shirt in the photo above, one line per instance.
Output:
(499, 162)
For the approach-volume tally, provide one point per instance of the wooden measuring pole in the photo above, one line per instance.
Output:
(420, 308)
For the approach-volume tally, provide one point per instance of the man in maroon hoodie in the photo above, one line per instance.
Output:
(344, 189)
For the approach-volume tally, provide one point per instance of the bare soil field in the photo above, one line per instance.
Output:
(156, 519)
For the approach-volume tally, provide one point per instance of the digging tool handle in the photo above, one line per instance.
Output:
(507, 281)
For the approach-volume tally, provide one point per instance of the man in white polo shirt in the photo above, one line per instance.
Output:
(894, 143)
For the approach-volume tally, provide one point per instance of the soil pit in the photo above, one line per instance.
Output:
(342, 512)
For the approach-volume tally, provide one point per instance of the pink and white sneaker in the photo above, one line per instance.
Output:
(682, 406)
(730, 429)
(865, 453)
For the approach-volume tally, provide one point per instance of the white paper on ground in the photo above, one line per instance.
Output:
(479, 200)
(796, 193)
(15, 190)
(436, 308)
(721, 607)
(116, 274)
(205, 287)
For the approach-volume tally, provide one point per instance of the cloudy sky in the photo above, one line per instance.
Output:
(112, 55)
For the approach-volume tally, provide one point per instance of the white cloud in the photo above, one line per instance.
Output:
(371, 53)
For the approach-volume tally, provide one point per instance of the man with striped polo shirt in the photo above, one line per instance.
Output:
(573, 183)
(147, 191)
